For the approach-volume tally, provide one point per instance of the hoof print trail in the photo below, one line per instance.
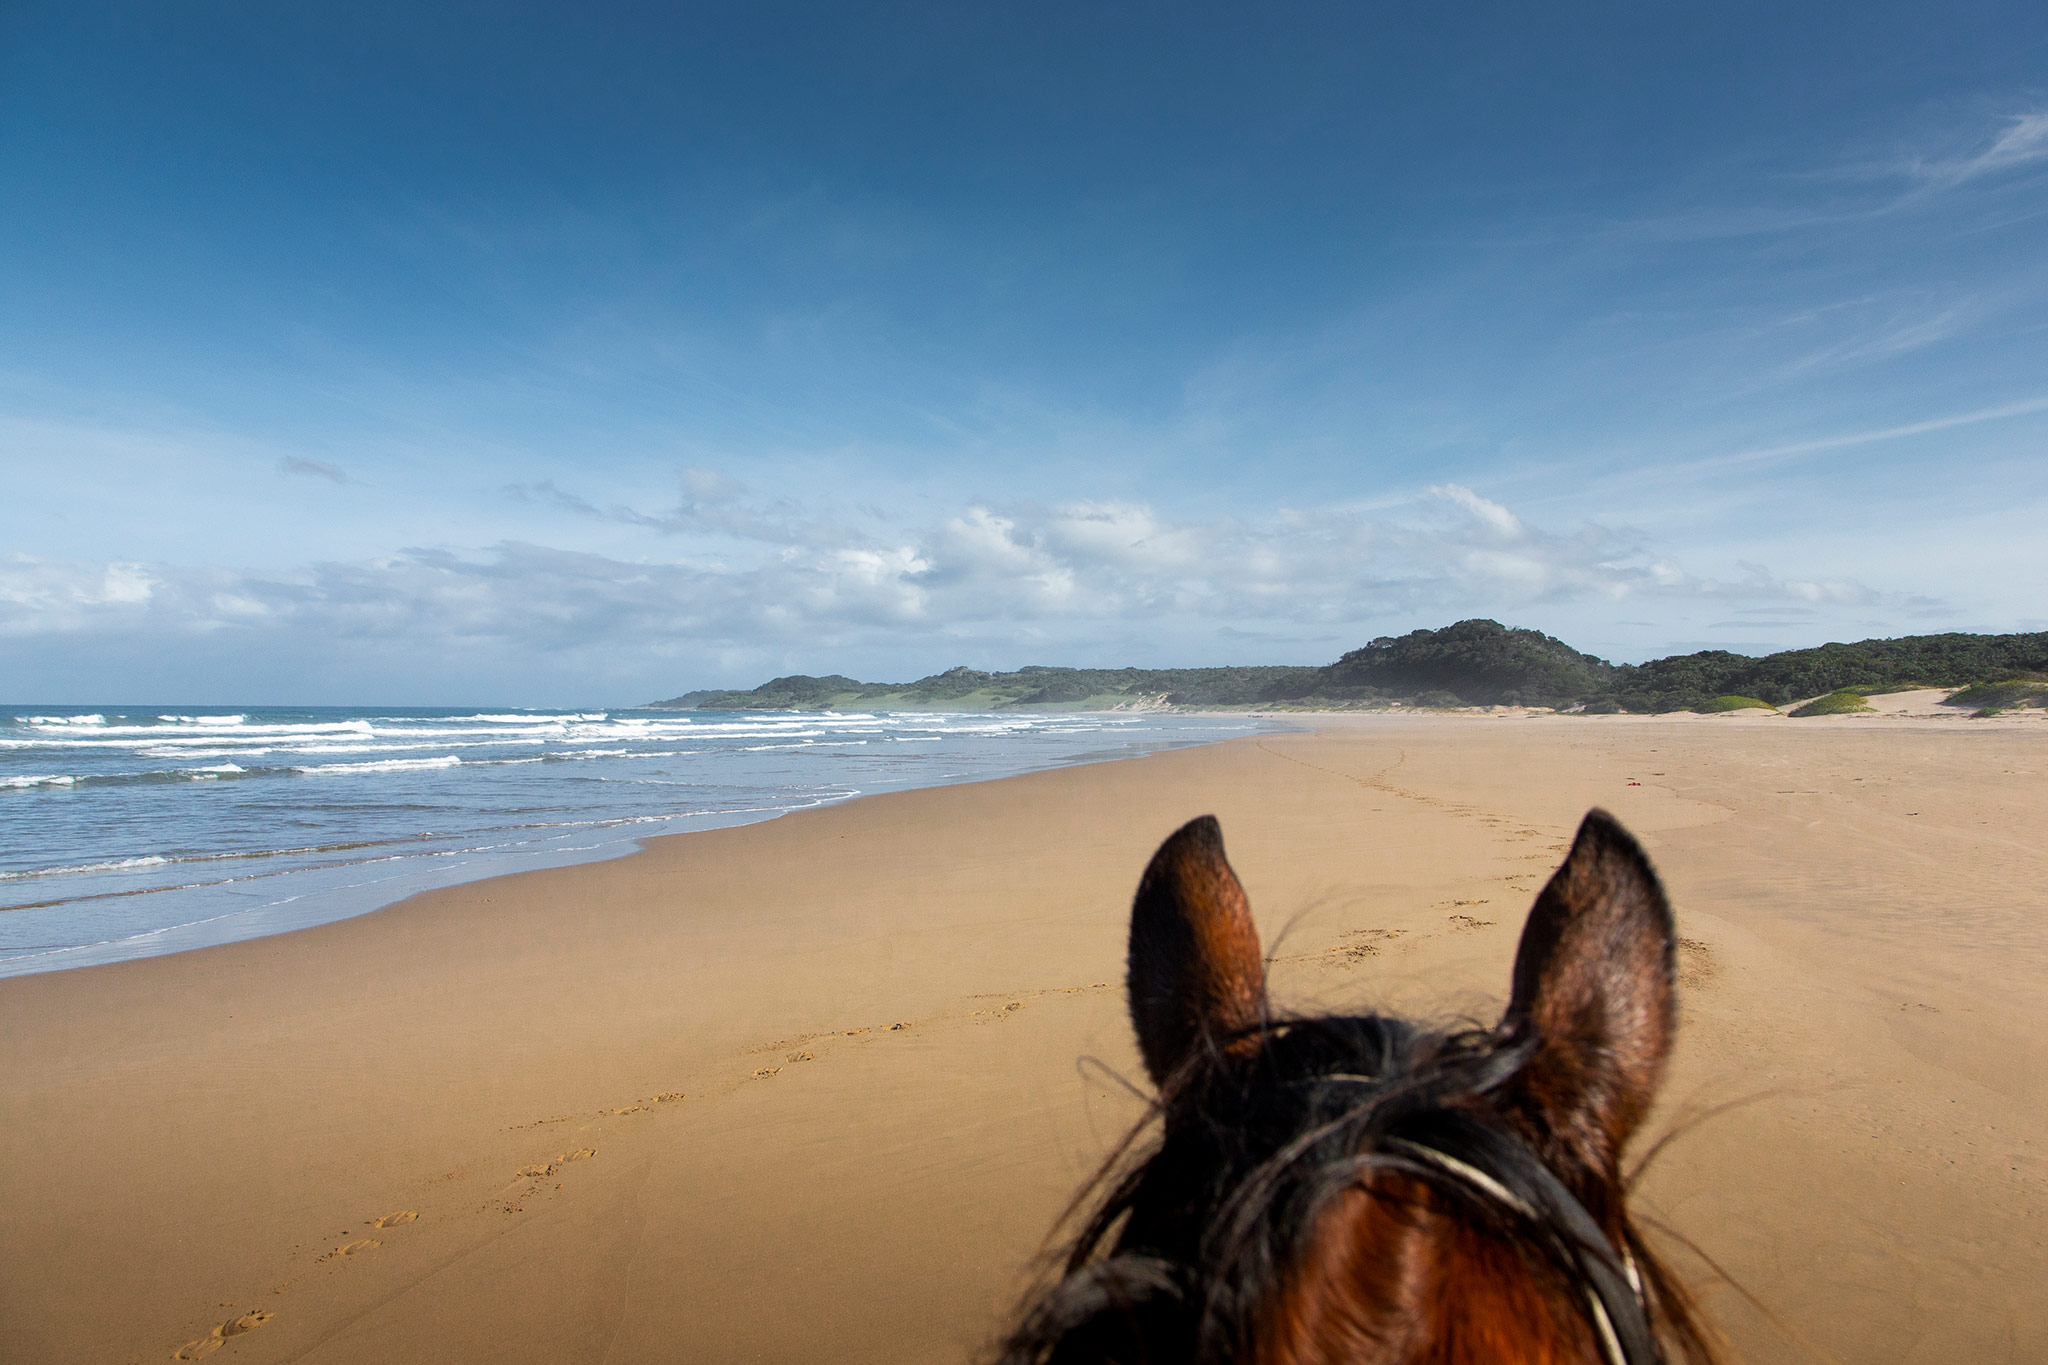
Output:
(392, 1220)
(211, 1342)
(352, 1249)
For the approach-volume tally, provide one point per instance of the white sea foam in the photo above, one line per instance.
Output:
(39, 780)
(504, 743)
(389, 765)
(94, 719)
(757, 732)
(204, 720)
(119, 736)
(217, 770)
(581, 755)
(214, 752)
(112, 865)
(164, 738)
(531, 735)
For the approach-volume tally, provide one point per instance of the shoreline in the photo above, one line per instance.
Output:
(205, 1136)
(1921, 705)
(399, 862)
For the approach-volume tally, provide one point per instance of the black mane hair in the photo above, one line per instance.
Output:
(1189, 1240)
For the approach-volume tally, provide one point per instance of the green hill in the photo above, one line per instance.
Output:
(1481, 663)
(1954, 660)
(1471, 663)
(968, 689)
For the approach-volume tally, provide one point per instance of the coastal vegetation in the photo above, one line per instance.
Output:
(1951, 660)
(1471, 663)
(1732, 703)
(1846, 702)
(2004, 695)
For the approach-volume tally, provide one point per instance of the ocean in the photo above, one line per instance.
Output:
(135, 830)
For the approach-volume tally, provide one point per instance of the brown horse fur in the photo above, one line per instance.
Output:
(1274, 1223)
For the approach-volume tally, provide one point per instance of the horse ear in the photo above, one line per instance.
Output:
(1593, 989)
(1195, 972)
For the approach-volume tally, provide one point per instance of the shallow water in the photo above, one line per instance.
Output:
(131, 831)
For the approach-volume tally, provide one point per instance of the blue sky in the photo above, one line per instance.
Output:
(473, 353)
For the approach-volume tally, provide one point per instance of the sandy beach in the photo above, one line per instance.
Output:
(817, 1089)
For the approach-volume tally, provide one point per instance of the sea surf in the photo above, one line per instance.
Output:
(131, 831)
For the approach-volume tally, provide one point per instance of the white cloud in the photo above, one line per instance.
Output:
(1046, 574)
(2023, 141)
(53, 596)
(1484, 512)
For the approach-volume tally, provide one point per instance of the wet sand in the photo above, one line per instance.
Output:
(816, 1090)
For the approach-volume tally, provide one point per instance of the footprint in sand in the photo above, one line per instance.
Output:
(1467, 923)
(897, 1028)
(1696, 965)
(392, 1220)
(765, 1072)
(352, 1249)
(1367, 944)
(537, 1170)
(212, 1341)
(666, 1097)
(580, 1154)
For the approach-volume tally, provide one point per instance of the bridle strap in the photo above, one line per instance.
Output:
(1608, 1278)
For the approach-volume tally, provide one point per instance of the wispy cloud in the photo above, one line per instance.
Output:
(545, 492)
(1845, 440)
(314, 469)
(1894, 336)
(2023, 141)
(711, 504)
(1849, 193)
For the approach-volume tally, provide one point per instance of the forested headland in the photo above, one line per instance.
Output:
(1471, 663)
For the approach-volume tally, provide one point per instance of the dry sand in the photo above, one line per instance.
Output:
(815, 1090)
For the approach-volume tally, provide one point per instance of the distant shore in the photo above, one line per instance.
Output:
(815, 1089)
(1471, 663)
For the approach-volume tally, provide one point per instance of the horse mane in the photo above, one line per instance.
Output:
(1358, 1188)
(1191, 1240)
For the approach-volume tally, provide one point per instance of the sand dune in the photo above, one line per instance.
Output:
(817, 1089)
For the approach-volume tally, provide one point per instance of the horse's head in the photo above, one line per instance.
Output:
(1359, 1189)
